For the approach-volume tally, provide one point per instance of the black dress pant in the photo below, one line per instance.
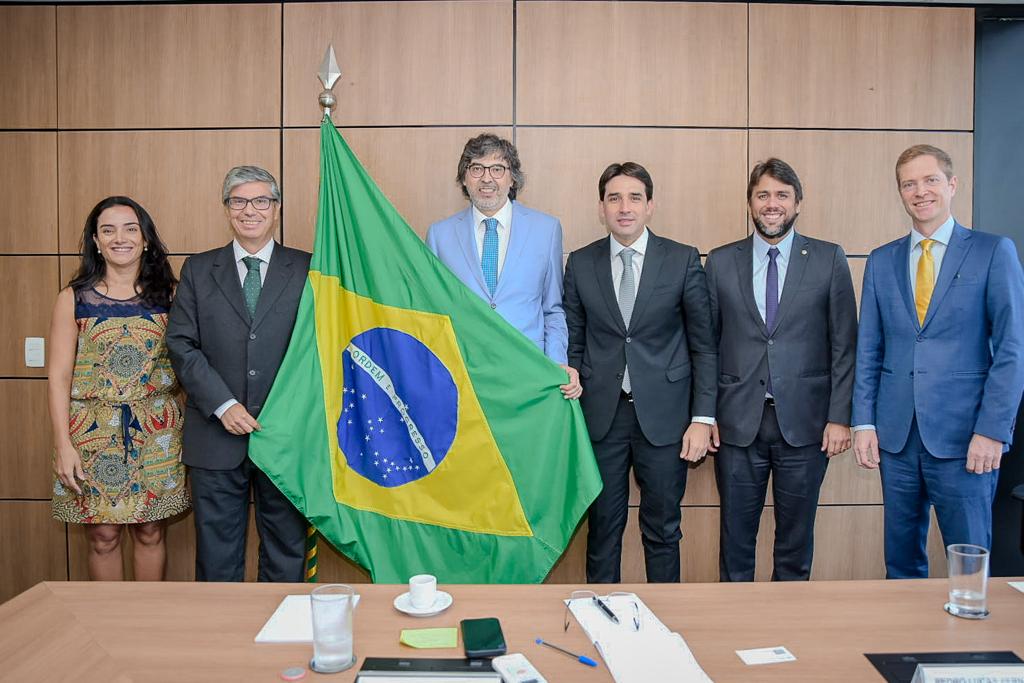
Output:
(220, 504)
(742, 474)
(661, 475)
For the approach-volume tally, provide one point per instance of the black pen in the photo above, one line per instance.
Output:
(604, 608)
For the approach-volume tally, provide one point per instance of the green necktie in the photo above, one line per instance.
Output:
(252, 285)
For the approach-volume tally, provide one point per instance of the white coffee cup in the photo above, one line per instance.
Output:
(422, 590)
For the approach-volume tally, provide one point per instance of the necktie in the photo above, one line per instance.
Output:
(251, 286)
(771, 298)
(489, 262)
(925, 282)
(627, 296)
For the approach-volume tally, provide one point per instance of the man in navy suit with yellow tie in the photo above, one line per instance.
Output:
(940, 367)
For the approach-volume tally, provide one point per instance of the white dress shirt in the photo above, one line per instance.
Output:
(240, 253)
(640, 247)
(504, 218)
(263, 255)
(941, 238)
(761, 261)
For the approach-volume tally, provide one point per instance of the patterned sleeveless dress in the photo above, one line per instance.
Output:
(125, 416)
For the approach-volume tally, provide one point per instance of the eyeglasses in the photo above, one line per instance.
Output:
(618, 602)
(258, 203)
(497, 171)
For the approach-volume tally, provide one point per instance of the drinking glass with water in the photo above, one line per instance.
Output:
(968, 581)
(332, 605)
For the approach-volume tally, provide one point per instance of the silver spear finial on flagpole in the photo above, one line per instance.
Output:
(329, 74)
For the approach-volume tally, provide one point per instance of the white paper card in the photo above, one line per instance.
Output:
(766, 655)
(1019, 585)
(291, 622)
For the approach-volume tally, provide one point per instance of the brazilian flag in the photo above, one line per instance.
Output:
(414, 427)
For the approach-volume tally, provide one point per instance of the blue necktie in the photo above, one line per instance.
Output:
(489, 262)
(771, 297)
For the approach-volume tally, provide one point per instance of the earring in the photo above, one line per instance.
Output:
(145, 248)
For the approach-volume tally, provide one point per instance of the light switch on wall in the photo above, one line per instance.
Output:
(35, 352)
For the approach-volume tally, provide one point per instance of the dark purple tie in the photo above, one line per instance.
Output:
(771, 298)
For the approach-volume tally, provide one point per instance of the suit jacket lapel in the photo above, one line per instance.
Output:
(603, 270)
(901, 267)
(279, 272)
(465, 233)
(956, 251)
(225, 274)
(516, 243)
(653, 260)
(744, 255)
(798, 256)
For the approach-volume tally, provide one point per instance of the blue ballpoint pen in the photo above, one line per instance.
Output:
(580, 658)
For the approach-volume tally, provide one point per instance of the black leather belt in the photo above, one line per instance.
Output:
(769, 401)
(628, 395)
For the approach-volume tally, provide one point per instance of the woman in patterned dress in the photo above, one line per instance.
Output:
(114, 400)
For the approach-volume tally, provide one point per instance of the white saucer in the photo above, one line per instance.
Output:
(442, 602)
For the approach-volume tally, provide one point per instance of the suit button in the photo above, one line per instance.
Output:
(761, 382)
(252, 335)
(618, 376)
(629, 339)
(493, 305)
(911, 373)
(920, 339)
(252, 373)
(771, 342)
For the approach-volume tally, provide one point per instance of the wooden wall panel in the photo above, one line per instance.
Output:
(34, 546)
(635, 63)
(28, 174)
(26, 455)
(700, 179)
(175, 175)
(28, 76)
(414, 167)
(830, 66)
(857, 266)
(169, 66)
(422, 63)
(28, 68)
(28, 285)
(848, 543)
(857, 204)
(846, 483)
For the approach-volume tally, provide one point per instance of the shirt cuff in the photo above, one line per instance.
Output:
(703, 420)
(224, 407)
(861, 428)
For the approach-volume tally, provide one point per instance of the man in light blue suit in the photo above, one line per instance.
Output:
(507, 254)
(940, 367)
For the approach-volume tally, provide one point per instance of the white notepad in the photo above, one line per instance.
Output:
(291, 622)
(653, 654)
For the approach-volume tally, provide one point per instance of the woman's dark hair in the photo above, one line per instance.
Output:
(156, 281)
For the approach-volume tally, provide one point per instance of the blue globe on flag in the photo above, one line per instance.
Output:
(399, 408)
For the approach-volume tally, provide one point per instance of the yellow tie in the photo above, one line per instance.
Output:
(925, 283)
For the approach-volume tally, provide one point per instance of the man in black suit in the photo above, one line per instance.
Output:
(228, 330)
(786, 321)
(640, 335)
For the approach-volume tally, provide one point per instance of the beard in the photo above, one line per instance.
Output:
(778, 233)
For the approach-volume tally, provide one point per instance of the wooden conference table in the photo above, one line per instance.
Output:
(204, 632)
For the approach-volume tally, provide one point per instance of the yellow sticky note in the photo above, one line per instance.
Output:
(429, 638)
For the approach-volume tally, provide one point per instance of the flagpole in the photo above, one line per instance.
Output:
(328, 74)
